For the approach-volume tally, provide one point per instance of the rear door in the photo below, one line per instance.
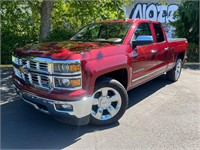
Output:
(162, 56)
(143, 59)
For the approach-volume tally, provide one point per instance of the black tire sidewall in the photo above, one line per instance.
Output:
(178, 60)
(171, 75)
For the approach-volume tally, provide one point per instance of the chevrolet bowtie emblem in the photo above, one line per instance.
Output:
(23, 69)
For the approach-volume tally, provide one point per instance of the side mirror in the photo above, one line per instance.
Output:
(142, 40)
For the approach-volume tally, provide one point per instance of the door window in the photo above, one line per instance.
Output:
(142, 30)
(159, 33)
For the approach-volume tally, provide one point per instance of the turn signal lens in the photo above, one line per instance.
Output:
(75, 82)
(15, 60)
(74, 67)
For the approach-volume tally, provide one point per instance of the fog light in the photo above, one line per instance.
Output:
(65, 82)
(67, 106)
(64, 107)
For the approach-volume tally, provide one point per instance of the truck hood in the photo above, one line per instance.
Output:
(58, 50)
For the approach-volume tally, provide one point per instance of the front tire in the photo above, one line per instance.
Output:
(110, 101)
(174, 74)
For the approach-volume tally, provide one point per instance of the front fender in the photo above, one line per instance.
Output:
(99, 67)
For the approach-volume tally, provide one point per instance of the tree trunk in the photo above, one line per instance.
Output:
(45, 19)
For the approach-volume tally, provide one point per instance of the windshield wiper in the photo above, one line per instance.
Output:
(82, 40)
(108, 42)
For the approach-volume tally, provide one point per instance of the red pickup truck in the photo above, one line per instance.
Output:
(86, 78)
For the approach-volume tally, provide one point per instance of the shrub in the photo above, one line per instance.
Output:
(187, 25)
(193, 53)
(11, 41)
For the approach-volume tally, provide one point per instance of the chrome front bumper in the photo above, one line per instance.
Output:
(79, 113)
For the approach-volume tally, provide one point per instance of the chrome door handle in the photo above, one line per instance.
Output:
(153, 51)
(166, 48)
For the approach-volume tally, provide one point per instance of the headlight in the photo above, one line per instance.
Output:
(61, 68)
(73, 83)
(66, 68)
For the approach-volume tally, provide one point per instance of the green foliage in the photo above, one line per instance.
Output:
(10, 41)
(20, 20)
(18, 26)
(19, 17)
(193, 53)
(75, 14)
(187, 25)
(59, 35)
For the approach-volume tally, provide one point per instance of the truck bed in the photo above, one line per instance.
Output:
(176, 39)
(178, 45)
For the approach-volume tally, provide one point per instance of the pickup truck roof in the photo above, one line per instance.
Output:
(130, 20)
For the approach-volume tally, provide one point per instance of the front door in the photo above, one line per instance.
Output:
(143, 57)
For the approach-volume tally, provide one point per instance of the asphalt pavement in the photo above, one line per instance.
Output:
(161, 115)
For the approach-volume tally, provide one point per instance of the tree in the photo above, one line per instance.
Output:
(45, 19)
(24, 21)
(187, 25)
(19, 26)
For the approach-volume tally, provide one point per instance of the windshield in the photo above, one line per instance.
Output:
(103, 32)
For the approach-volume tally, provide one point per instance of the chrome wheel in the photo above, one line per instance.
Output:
(106, 103)
(178, 69)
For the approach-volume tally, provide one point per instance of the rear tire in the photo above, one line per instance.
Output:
(174, 74)
(110, 100)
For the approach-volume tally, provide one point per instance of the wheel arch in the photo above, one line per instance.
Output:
(181, 55)
(121, 75)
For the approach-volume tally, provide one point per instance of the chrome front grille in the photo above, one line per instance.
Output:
(39, 72)
(35, 65)
(42, 81)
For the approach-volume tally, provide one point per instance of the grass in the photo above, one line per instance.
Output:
(6, 66)
(192, 63)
